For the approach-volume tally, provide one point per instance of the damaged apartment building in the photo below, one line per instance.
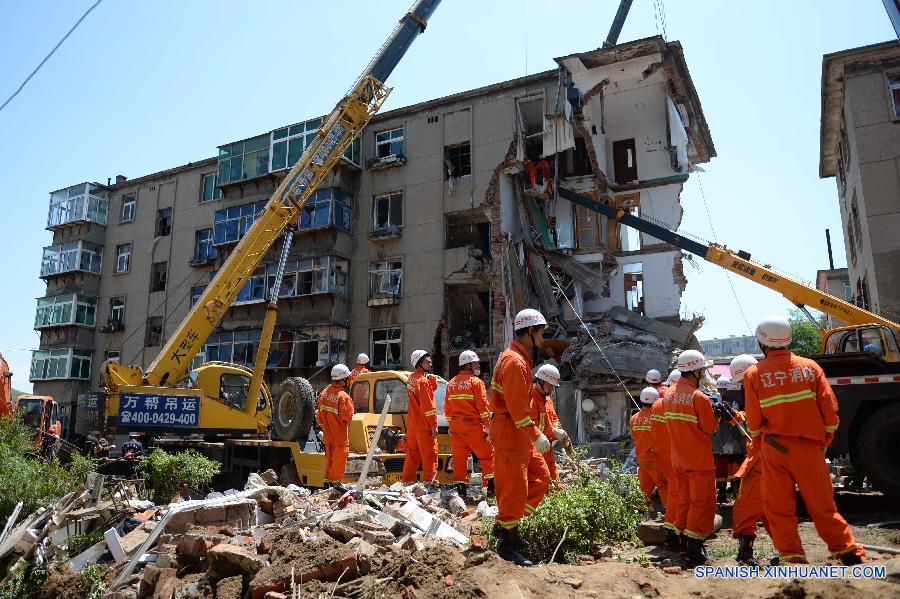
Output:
(440, 223)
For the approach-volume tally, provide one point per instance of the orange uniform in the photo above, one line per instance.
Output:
(643, 449)
(789, 401)
(334, 415)
(691, 422)
(543, 412)
(421, 428)
(662, 450)
(748, 505)
(467, 412)
(357, 370)
(520, 472)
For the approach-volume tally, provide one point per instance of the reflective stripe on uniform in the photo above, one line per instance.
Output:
(671, 526)
(680, 416)
(329, 409)
(523, 422)
(843, 551)
(460, 396)
(485, 414)
(507, 523)
(431, 412)
(694, 535)
(640, 428)
(497, 387)
(529, 509)
(658, 418)
(786, 398)
(791, 556)
(752, 432)
(831, 429)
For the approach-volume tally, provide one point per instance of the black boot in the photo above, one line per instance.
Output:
(696, 554)
(507, 547)
(521, 543)
(462, 489)
(673, 540)
(491, 491)
(850, 559)
(684, 542)
(745, 551)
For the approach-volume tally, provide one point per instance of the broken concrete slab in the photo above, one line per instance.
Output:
(678, 335)
(229, 560)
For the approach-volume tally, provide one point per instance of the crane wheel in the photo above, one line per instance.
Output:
(878, 447)
(294, 411)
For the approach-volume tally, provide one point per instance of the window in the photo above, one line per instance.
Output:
(312, 275)
(389, 143)
(209, 188)
(117, 309)
(111, 354)
(196, 292)
(234, 346)
(324, 208)
(854, 219)
(387, 211)
(67, 363)
(129, 204)
(233, 390)
(851, 243)
(385, 278)
(67, 309)
(204, 250)
(77, 204)
(587, 228)
(230, 224)
(289, 143)
(254, 290)
(894, 90)
(163, 222)
(67, 257)
(360, 395)
(386, 347)
(158, 276)
(848, 290)
(244, 159)
(154, 331)
(399, 399)
(458, 161)
(123, 257)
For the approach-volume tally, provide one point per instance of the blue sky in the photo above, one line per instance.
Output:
(144, 86)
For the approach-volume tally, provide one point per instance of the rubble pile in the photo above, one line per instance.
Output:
(265, 542)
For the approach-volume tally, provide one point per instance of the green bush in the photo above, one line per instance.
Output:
(79, 543)
(24, 582)
(594, 510)
(24, 476)
(93, 581)
(167, 472)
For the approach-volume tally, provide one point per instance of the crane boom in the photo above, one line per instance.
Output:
(740, 263)
(351, 114)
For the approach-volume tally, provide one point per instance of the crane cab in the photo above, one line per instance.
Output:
(875, 340)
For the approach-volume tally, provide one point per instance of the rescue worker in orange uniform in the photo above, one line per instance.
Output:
(334, 413)
(748, 505)
(520, 471)
(467, 413)
(422, 422)
(542, 411)
(654, 379)
(360, 368)
(792, 415)
(666, 483)
(691, 423)
(643, 444)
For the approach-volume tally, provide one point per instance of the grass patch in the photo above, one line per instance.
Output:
(168, 472)
(79, 543)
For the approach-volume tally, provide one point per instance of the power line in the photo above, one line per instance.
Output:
(46, 58)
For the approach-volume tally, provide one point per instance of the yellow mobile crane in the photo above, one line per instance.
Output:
(229, 398)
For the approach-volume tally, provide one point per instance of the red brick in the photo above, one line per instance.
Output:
(448, 580)
(479, 541)
(264, 546)
(165, 586)
(261, 590)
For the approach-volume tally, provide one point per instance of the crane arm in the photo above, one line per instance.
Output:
(339, 128)
(737, 262)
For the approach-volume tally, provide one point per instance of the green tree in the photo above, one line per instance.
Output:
(805, 340)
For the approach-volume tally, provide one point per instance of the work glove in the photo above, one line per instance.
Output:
(560, 434)
(720, 410)
(542, 444)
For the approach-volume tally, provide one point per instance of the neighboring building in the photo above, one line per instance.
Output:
(860, 147)
(730, 346)
(422, 237)
(834, 282)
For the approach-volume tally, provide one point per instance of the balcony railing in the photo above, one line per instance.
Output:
(73, 256)
(76, 205)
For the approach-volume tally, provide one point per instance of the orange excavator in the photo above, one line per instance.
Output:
(39, 412)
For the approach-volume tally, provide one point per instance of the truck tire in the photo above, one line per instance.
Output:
(294, 409)
(878, 447)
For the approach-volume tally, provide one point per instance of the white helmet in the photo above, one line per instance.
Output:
(649, 395)
(774, 331)
(362, 359)
(739, 366)
(467, 357)
(339, 372)
(548, 373)
(417, 356)
(653, 377)
(673, 377)
(722, 382)
(528, 318)
(691, 359)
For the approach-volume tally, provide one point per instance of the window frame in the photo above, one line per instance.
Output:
(216, 192)
(893, 103)
(113, 309)
(210, 253)
(581, 213)
(128, 200)
(79, 250)
(68, 356)
(153, 277)
(243, 221)
(448, 159)
(229, 156)
(151, 324)
(55, 313)
(119, 254)
(389, 142)
(391, 265)
(77, 204)
(390, 195)
(373, 344)
(164, 221)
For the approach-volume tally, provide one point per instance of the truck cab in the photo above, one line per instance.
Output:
(41, 414)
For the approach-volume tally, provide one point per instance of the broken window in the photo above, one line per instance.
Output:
(387, 211)
(632, 237)
(385, 278)
(634, 287)
(196, 292)
(389, 143)
(204, 250)
(386, 348)
(325, 208)
(458, 161)
(209, 189)
(893, 80)
(587, 228)
(239, 347)
(129, 203)
(154, 331)
(111, 355)
(158, 276)
(625, 161)
(530, 115)
(163, 222)
(469, 230)
(116, 310)
(469, 320)
(254, 290)
(123, 257)
(862, 292)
